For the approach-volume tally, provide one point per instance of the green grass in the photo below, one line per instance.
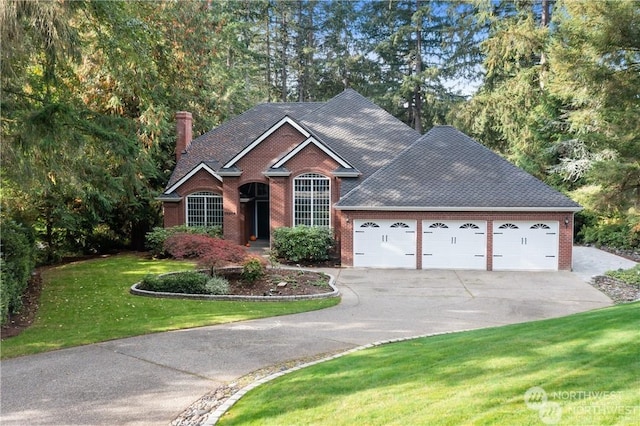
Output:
(588, 364)
(88, 302)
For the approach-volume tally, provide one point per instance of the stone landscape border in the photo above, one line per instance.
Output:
(135, 290)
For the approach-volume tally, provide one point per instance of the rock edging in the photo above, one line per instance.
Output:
(616, 289)
(135, 290)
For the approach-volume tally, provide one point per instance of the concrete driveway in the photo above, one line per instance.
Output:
(151, 379)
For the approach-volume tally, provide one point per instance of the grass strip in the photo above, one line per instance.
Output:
(587, 366)
(89, 301)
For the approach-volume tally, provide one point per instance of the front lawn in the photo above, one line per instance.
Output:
(88, 302)
(581, 369)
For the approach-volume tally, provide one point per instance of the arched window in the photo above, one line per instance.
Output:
(204, 209)
(311, 200)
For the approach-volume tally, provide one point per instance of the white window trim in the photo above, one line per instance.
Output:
(205, 194)
(293, 209)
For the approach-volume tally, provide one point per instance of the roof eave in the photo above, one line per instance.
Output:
(196, 169)
(459, 209)
(169, 199)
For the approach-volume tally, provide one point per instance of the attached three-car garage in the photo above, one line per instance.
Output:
(456, 244)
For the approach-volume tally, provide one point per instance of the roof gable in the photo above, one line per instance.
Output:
(285, 120)
(201, 166)
(311, 140)
(220, 145)
(447, 170)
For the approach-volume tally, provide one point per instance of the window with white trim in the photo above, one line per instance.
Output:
(311, 200)
(204, 209)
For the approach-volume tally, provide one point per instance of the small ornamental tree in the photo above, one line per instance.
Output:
(208, 252)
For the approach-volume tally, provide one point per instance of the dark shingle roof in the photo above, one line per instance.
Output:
(356, 129)
(361, 132)
(219, 145)
(447, 169)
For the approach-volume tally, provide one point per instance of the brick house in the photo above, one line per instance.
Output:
(393, 197)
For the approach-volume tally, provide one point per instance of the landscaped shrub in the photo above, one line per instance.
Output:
(207, 251)
(217, 285)
(618, 234)
(190, 282)
(17, 260)
(303, 243)
(630, 276)
(252, 269)
(155, 239)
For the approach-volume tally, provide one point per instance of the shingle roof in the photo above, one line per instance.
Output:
(361, 132)
(446, 169)
(349, 124)
(219, 145)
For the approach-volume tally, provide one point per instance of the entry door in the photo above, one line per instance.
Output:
(384, 243)
(525, 245)
(454, 244)
(262, 219)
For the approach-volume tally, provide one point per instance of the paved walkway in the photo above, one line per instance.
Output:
(151, 379)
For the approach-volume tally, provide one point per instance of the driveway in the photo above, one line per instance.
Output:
(151, 379)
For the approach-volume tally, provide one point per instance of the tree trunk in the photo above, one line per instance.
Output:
(544, 22)
(285, 45)
(417, 91)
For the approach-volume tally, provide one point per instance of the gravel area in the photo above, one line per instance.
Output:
(618, 291)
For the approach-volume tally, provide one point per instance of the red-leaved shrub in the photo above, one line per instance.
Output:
(207, 251)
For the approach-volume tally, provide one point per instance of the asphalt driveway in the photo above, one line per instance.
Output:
(151, 379)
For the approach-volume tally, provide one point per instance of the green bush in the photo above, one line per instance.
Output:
(217, 285)
(17, 260)
(630, 276)
(252, 269)
(619, 235)
(303, 243)
(155, 239)
(190, 282)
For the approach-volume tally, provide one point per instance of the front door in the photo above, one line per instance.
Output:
(262, 219)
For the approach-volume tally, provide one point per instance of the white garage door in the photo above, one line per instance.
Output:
(384, 243)
(520, 245)
(454, 244)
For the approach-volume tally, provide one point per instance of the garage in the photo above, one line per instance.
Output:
(525, 245)
(384, 243)
(458, 244)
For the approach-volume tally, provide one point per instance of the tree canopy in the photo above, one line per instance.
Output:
(90, 88)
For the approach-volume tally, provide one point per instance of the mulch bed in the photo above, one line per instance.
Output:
(279, 282)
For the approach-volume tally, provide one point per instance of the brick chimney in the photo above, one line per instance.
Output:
(183, 132)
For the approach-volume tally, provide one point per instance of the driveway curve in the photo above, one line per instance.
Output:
(151, 379)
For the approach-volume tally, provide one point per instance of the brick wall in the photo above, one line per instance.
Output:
(565, 238)
(310, 160)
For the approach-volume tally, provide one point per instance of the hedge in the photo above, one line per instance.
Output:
(17, 260)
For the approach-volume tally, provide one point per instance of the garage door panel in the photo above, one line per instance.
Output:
(454, 245)
(384, 243)
(525, 245)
